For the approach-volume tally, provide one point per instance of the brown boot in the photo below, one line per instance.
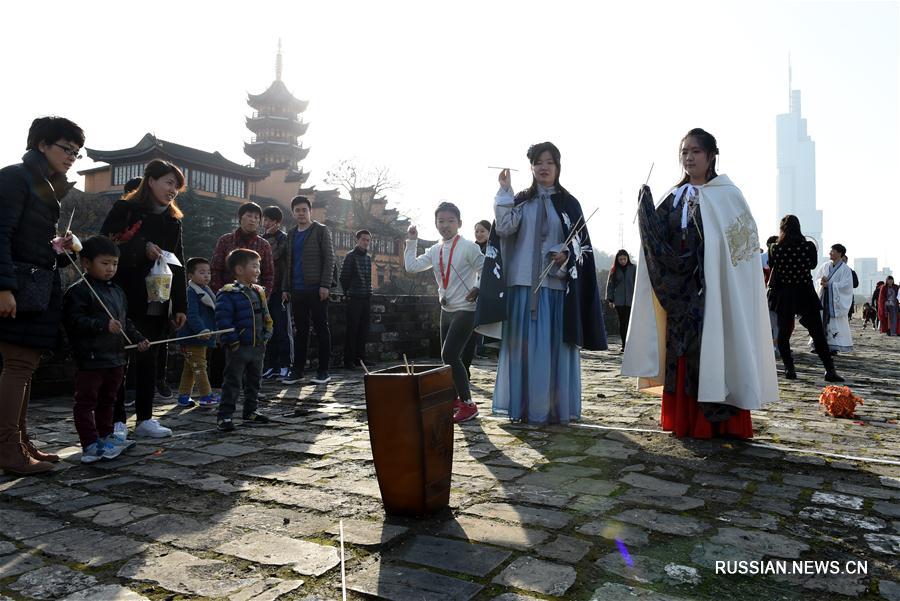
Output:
(14, 459)
(35, 453)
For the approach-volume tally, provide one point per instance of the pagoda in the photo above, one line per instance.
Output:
(277, 127)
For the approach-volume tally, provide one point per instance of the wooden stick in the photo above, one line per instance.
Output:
(71, 217)
(366, 369)
(94, 292)
(639, 198)
(575, 231)
(343, 577)
(225, 331)
(406, 363)
(502, 168)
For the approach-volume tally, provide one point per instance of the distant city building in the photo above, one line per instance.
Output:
(796, 187)
(866, 269)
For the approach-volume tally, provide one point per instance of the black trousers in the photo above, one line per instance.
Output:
(624, 314)
(810, 319)
(306, 305)
(243, 371)
(458, 347)
(144, 368)
(358, 317)
(278, 350)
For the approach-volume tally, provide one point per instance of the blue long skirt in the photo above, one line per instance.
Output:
(538, 375)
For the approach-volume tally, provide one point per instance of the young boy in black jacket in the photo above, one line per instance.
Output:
(99, 347)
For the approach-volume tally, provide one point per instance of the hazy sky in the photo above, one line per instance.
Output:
(439, 91)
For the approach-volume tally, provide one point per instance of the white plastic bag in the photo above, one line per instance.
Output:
(159, 282)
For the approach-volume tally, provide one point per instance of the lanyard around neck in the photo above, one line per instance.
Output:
(445, 277)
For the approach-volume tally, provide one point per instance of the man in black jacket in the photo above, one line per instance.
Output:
(356, 280)
(279, 351)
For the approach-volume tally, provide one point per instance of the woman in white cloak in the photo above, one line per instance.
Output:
(699, 325)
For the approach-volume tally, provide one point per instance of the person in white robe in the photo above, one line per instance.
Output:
(834, 285)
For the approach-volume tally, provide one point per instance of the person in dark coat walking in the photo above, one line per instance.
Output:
(144, 224)
(30, 287)
(620, 290)
(356, 280)
(791, 293)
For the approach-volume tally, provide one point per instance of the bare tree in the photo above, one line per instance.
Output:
(365, 186)
(353, 178)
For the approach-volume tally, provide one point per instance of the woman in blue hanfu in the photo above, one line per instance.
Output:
(699, 320)
(539, 291)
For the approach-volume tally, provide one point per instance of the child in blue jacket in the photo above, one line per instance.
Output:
(201, 317)
(242, 306)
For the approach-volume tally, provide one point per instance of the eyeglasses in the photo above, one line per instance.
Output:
(72, 152)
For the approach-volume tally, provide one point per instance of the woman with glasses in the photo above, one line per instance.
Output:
(30, 288)
(145, 223)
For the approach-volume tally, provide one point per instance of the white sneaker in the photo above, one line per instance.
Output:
(92, 453)
(284, 372)
(110, 448)
(120, 431)
(151, 429)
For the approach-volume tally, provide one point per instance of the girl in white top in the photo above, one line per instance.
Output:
(456, 263)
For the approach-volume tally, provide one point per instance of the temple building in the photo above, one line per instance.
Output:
(207, 173)
(275, 177)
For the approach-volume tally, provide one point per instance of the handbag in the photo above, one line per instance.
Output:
(35, 286)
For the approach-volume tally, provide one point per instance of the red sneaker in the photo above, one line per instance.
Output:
(466, 412)
(457, 405)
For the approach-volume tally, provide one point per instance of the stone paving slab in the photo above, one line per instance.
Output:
(307, 558)
(451, 555)
(106, 592)
(52, 582)
(537, 575)
(18, 563)
(114, 514)
(88, 547)
(398, 583)
(21, 524)
(494, 533)
(663, 522)
(367, 533)
(532, 516)
(279, 520)
(269, 589)
(183, 573)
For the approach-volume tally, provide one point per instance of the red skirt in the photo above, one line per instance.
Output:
(681, 414)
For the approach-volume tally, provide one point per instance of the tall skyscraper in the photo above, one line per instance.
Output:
(796, 193)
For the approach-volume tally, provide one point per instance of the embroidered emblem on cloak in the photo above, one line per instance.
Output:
(743, 239)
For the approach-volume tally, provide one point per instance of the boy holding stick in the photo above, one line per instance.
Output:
(94, 315)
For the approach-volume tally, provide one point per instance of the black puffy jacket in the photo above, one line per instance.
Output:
(29, 212)
(87, 325)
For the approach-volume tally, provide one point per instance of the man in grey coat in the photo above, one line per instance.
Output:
(620, 289)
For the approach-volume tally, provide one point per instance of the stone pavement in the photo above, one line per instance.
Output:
(607, 509)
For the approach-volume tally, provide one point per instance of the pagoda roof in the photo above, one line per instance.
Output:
(277, 94)
(151, 147)
(291, 124)
(295, 151)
